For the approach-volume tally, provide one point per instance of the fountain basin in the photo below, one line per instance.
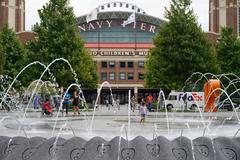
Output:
(139, 148)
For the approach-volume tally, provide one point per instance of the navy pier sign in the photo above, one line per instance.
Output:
(95, 25)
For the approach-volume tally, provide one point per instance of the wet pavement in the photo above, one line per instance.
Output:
(109, 123)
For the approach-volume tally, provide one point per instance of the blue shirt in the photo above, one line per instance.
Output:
(66, 98)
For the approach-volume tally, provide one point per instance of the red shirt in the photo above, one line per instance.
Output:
(149, 99)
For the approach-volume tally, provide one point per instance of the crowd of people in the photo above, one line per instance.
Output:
(145, 105)
(48, 102)
(74, 101)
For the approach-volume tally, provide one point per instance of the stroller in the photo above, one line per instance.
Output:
(47, 109)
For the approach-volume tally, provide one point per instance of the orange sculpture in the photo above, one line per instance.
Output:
(210, 95)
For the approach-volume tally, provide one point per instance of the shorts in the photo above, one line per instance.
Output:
(143, 115)
(75, 104)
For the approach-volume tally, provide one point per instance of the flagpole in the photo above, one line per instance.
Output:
(131, 19)
(99, 32)
(135, 39)
(92, 16)
(135, 27)
(98, 39)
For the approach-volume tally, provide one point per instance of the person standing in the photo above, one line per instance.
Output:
(107, 103)
(133, 103)
(76, 101)
(143, 112)
(142, 100)
(66, 101)
(56, 101)
(36, 102)
(149, 100)
(118, 103)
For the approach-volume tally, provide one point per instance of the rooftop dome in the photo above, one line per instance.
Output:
(120, 6)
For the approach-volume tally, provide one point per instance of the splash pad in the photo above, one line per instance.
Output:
(117, 134)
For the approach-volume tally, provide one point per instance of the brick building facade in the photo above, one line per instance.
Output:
(26, 36)
(223, 13)
(120, 51)
(12, 12)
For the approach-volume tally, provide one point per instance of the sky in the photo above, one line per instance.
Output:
(152, 7)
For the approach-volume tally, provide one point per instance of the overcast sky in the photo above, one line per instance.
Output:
(152, 7)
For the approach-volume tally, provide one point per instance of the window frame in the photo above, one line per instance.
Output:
(106, 76)
(130, 62)
(120, 77)
(109, 64)
(129, 74)
(139, 73)
(139, 66)
(121, 62)
(103, 62)
(113, 76)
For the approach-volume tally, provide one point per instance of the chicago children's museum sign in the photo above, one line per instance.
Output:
(119, 53)
(94, 25)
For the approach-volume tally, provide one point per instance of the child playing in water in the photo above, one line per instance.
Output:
(47, 109)
(143, 112)
(76, 102)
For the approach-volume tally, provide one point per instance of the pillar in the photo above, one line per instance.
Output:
(136, 92)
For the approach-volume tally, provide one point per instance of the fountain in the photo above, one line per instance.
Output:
(168, 135)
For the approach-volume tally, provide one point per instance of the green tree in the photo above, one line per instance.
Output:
(1, 59)
(12, 52)
(181, 49)
(228, 51)
(58, 37)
